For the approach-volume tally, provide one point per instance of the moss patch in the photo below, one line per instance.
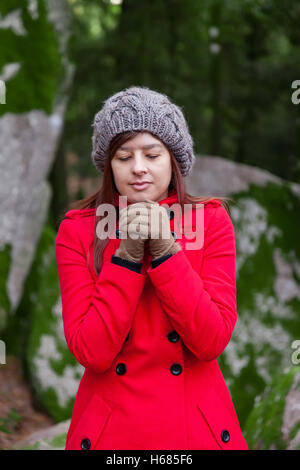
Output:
(264, 424)
(59, 441)
(49, 366)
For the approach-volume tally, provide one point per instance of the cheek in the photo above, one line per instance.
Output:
(166, 170)
(118, 173)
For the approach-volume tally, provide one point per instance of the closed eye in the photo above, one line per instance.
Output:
(149, 156)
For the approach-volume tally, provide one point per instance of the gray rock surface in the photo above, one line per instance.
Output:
(27, 149)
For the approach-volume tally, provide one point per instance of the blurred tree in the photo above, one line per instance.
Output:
(228, 65)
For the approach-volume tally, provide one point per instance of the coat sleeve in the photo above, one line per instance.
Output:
(97, 314)
(202, 307)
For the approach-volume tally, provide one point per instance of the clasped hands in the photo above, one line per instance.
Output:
(143, 222)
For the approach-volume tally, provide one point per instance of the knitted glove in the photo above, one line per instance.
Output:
(161, 241)
(134, 224)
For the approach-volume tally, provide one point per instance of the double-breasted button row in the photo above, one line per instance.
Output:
(175, 368)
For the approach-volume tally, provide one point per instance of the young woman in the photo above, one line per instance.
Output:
(146, 311)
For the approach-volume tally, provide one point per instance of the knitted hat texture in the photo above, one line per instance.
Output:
(139, 108)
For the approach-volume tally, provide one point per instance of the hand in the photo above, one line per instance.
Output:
(161, 240)
(134, 225)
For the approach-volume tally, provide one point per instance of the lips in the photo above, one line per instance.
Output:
(141, 182)
(141, 185)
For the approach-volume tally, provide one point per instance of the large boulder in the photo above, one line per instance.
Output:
(265, 213)
(36, 73)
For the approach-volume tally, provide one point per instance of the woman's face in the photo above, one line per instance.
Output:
(142, 159)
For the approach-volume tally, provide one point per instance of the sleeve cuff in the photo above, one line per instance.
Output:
(132, 265)
(160, 260)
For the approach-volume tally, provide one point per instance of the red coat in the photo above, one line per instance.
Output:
(149, 341)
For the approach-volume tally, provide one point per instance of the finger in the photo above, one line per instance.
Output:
(142, 206)
(139, 222)
(142, 232)
(149, 201)
(131, 216)
(138, 210)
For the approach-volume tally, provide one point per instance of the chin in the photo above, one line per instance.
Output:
(140, 195)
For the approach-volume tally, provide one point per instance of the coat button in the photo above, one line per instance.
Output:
(170, 214)
(225, 436)
(173, 336)
(118, 233)
(121, 368)
(174, 235)
(176, 369)
(85, 444)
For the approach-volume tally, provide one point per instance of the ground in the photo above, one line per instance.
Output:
(19, 416)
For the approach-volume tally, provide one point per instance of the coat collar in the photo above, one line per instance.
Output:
(172, 198)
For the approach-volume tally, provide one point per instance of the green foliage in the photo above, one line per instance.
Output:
(8, 424)
(59, 441)
(263, 429)
(37, 51)
(35, 446)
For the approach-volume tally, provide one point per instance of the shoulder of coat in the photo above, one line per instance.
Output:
(211, 209)
(79, 221)
(82, 219)
(212, 203)
(75, 214)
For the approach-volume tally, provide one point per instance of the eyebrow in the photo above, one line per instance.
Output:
(144, 147)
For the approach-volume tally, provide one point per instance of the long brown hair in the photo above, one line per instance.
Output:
(108, 191)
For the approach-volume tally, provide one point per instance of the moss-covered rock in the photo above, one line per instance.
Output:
(50, 368)
(268, 290)
(274, 422)
(35, 71)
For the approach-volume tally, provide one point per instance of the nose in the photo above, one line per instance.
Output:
(139, 165)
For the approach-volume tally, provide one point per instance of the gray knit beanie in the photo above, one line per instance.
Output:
(139, 108)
